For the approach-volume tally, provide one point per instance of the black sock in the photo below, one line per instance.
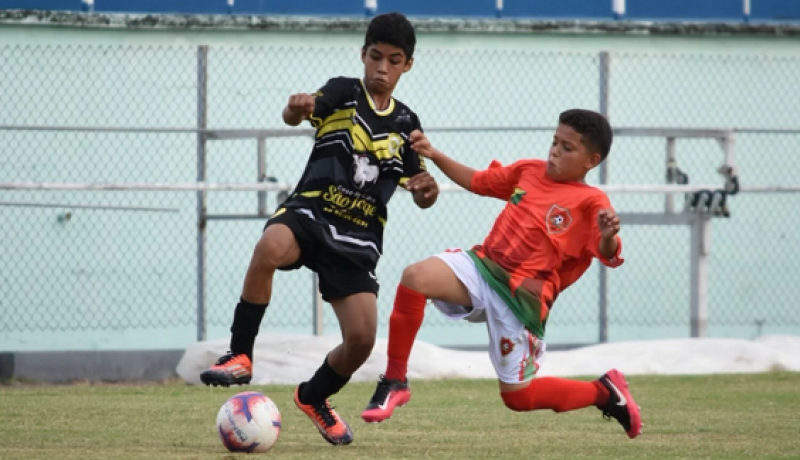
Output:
(246, 321)
(322, 385)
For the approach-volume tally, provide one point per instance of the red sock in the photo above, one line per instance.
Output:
(558, 394)
(404, 323)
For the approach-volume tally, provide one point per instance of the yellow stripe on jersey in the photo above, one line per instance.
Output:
(344, 121)
(384, 149)
(339, 121)
(346, 114)
(311, 194)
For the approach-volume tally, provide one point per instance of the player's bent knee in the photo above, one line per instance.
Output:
(516, 400)
(434, 279)
(413, 277)
(359, 343)
(419, 277)
(275, 249)
(264, 256)
(517, 396)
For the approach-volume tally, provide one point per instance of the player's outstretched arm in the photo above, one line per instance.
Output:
(459, 173)
(608, 223)
(299, 107)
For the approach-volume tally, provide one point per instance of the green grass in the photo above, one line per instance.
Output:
(706, 417)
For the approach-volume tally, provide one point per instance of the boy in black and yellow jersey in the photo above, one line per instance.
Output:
(333, 221)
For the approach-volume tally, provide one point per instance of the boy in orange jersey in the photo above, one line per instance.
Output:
(545, 238)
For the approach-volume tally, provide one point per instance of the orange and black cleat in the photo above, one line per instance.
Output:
(335, 430)
(231, 369)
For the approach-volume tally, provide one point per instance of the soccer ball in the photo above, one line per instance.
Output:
(249, 422)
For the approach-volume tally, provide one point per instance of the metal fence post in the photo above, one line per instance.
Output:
(602, 314)
(669, 202)
(701, 247)
(262, 174)
(202, 112)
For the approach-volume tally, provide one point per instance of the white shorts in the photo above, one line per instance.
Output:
(515, 353)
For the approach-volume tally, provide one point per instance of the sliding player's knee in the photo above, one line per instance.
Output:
(416, 278)
(515, 400)
(434, 279)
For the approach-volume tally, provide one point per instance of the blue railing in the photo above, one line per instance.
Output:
(645, 10)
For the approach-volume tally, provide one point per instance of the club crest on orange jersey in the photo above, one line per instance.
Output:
(506, 346)
(558, 219)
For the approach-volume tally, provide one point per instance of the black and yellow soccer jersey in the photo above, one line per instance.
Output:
(359, 158)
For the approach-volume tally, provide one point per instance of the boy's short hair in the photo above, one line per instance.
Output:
(595, 131)
(392, 29)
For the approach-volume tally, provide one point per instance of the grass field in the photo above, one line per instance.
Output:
(706, 417)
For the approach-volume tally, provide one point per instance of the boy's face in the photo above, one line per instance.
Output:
(569, 158)
(383, 66)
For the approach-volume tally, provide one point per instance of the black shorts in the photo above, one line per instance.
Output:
(338, 275)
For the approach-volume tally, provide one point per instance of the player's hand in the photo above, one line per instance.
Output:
(420, 144)
(608, 222)
(301, 104)
(423, 183)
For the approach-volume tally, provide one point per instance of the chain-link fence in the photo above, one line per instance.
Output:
(120, 269)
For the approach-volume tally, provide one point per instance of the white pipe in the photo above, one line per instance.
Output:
(270, 186)
(619, 8)
(29, 204)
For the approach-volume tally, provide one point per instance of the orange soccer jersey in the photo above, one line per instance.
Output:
(542, 241)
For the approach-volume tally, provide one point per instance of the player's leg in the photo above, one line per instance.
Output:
(609, 393)
(353, 294)
(277, 247)
(431, 278)
(358, 321)
(515, 353)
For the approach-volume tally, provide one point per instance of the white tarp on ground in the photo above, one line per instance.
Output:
(291, 359)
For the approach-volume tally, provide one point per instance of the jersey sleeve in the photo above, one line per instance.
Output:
(497, 180)
(594, 242)
(413, 163)
(328, 99)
